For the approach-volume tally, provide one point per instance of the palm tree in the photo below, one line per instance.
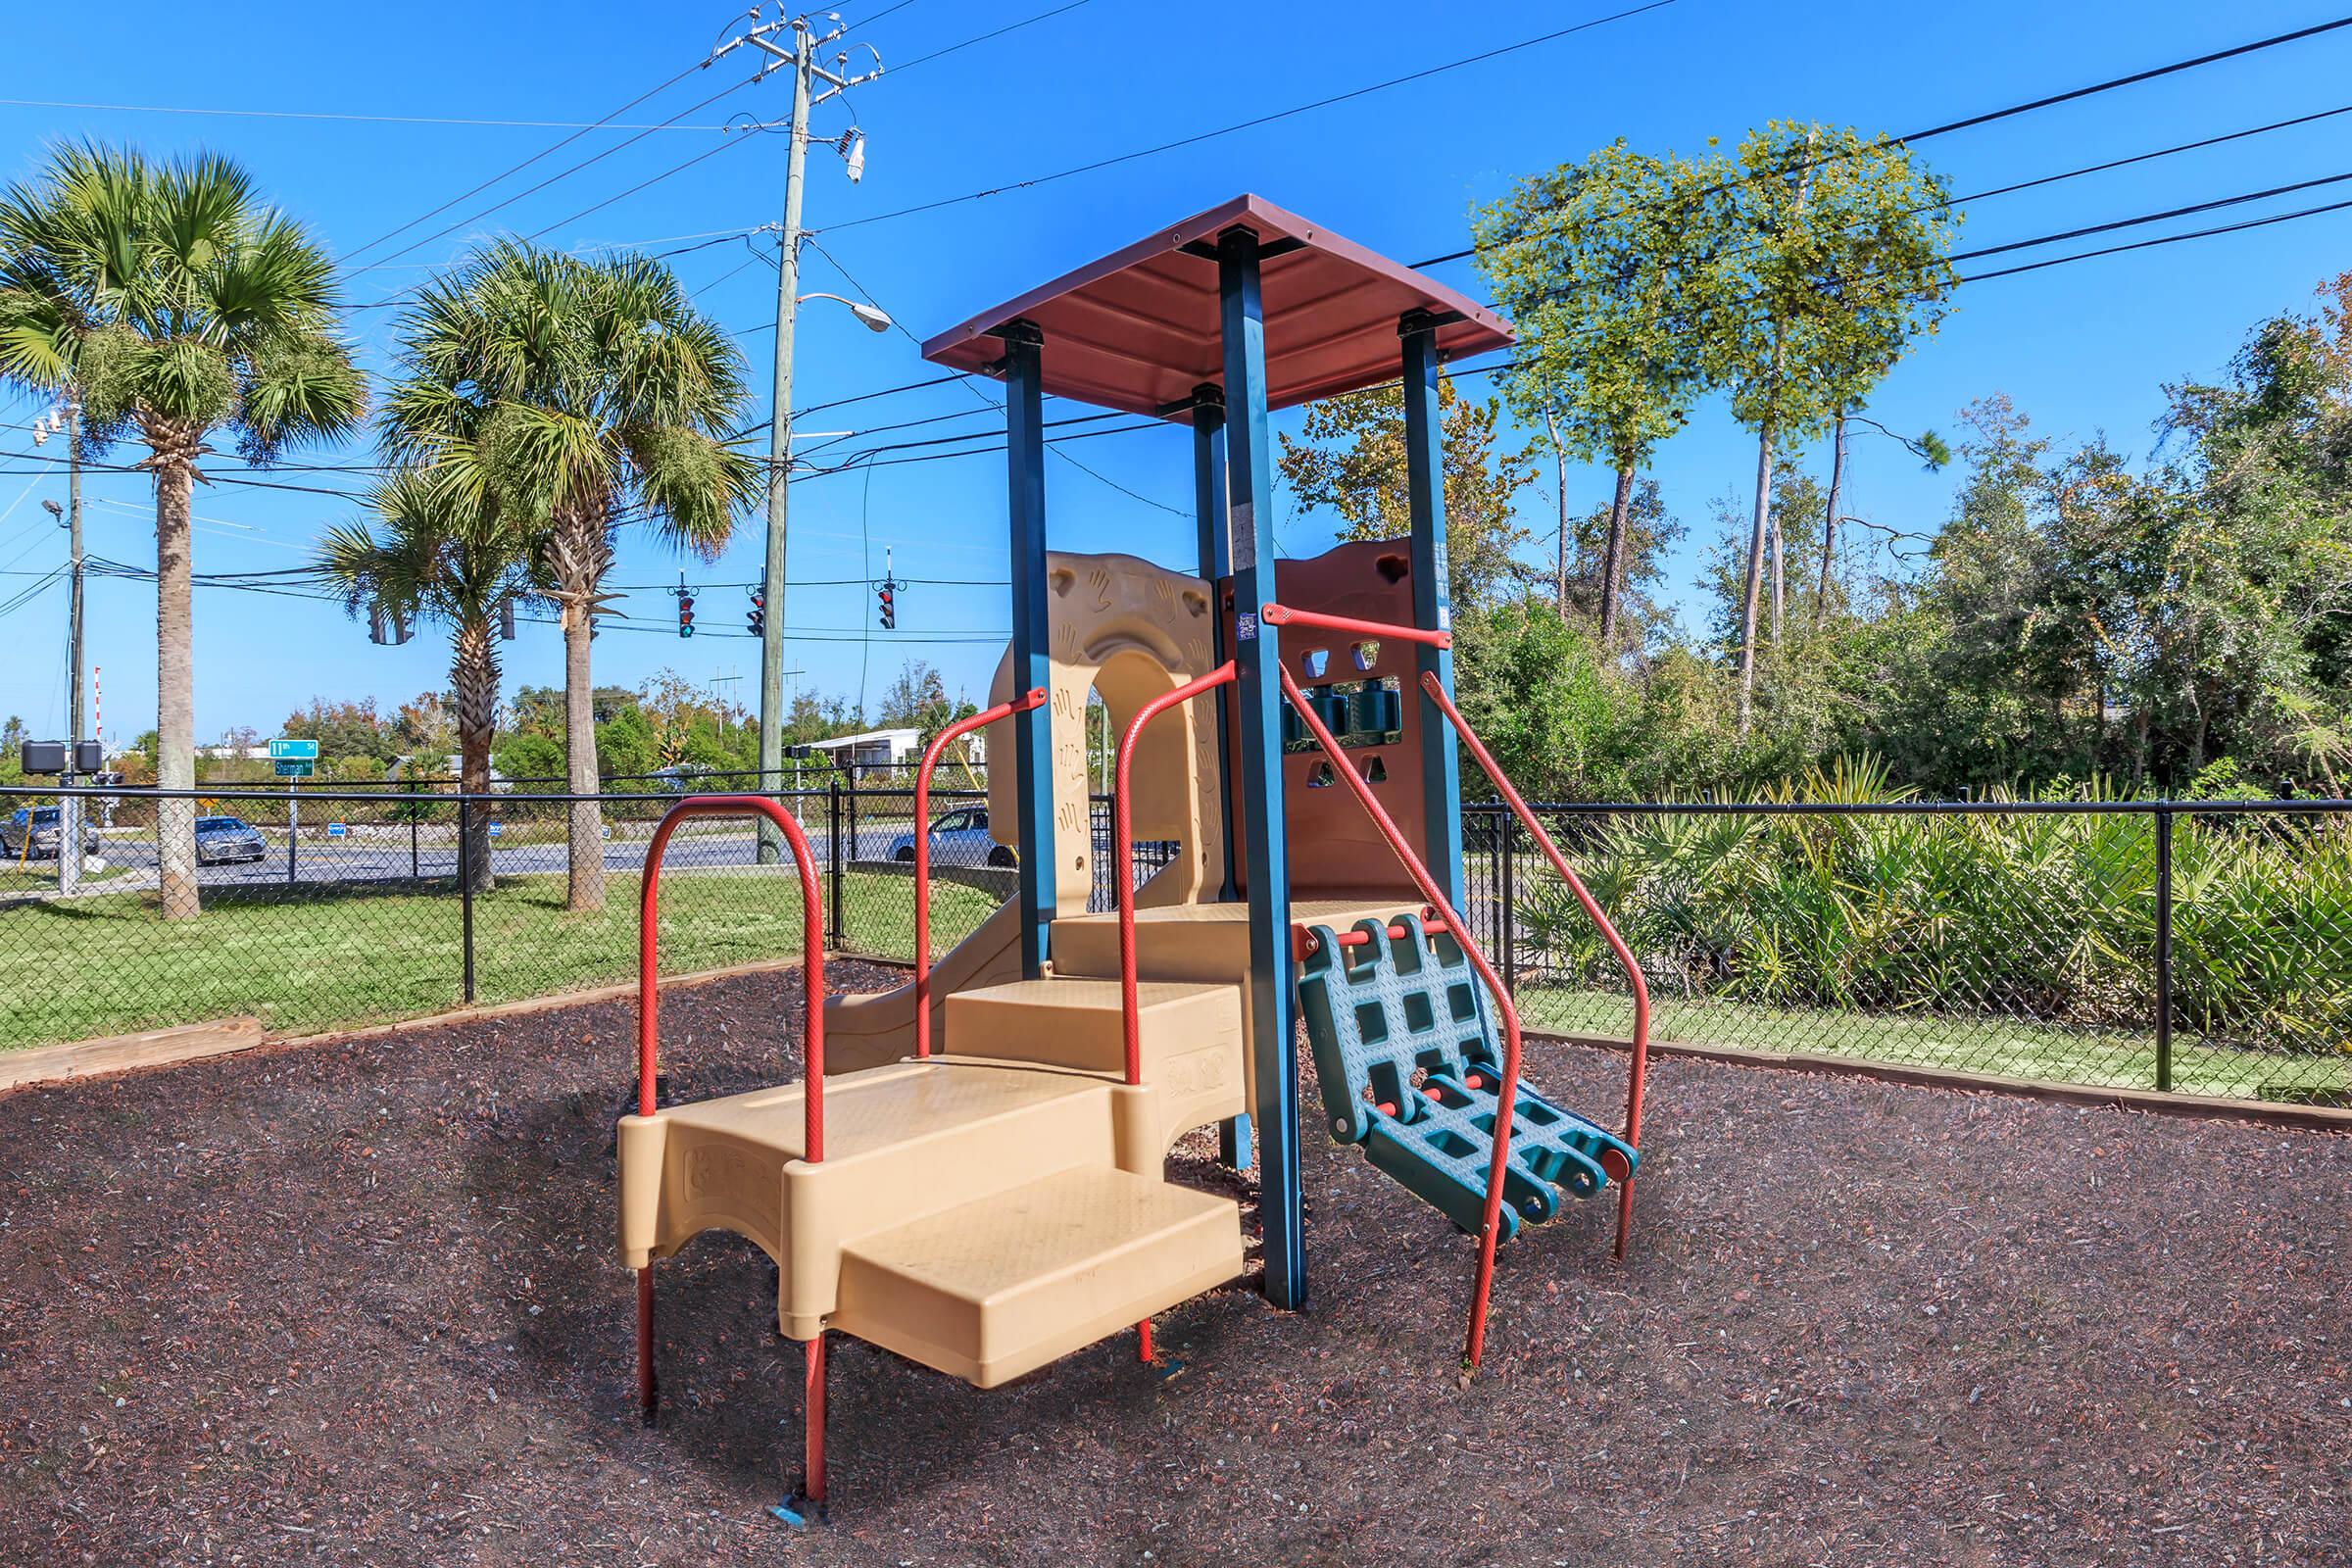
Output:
(176, 306)
(441, 558)
(576, 395)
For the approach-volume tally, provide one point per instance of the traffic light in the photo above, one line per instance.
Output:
(888, 606)
(685, 615)
(756, 616)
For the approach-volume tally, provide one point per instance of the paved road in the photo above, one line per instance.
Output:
(383, 856)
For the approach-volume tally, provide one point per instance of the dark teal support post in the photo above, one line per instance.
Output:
(1032, 661)
(1257, 703)
(1433, 606)
(1217, 560)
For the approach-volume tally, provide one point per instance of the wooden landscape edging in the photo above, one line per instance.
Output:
(2319, 1118)
(77, 1059)
(72, 1060)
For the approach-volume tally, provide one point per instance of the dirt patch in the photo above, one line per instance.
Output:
(358, 1304)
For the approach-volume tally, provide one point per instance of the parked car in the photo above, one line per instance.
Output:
(221, 839)
(959, 838)
(43, 824)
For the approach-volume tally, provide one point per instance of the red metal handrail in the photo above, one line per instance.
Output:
(922, 848)
(1123, 842)
(1506, 1092)
(1288, 616)
(812, 948)
(1640, 1070)
(812, 992)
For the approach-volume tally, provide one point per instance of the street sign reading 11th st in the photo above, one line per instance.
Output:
(291, 759)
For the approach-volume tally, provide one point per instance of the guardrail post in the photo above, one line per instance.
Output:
(2164, 945)
(465, 887)
(833, 853)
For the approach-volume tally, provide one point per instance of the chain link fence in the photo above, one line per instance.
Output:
(324, 907)
(2147, 945)
(2140, 944)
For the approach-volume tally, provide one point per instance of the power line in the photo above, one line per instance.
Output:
(1259, 119)
(1052, 445)
(1013, 26)
(2007, 112)
(607, 123)
(516, 168)
(532, 190)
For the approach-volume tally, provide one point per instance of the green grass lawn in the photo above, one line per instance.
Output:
(2107, 1058)
(106, 965)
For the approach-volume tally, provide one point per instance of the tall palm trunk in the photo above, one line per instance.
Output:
(473, 678)
(1755, 578)
(1829, 519)
(578, 553)
(174, 672)
(1612, 555)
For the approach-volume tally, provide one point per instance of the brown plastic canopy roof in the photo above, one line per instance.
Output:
(1138, 329)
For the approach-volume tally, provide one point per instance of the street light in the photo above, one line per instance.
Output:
(875, 320)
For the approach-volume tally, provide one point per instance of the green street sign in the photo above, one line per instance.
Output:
(293, 767)
(305, 750)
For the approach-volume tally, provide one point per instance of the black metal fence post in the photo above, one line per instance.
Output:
(415, 856)
(833, 855)
(1506, 914)
(2164, 945)
(465, 886)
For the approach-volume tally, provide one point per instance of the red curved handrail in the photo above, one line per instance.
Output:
(812, 1100)
(922, 848)
(812, 957)
(1289, 615)
(1507, 1092)
(1640, 1071)
(1122, 837)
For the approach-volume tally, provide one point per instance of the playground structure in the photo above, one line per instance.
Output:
(971, 1173)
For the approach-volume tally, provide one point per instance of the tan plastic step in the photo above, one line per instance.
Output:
(999, 1287)
(1200, 944)
(1190, 1037)
(899, 1141)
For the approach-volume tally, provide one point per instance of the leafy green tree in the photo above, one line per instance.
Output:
(1350, 458)
(1842, 263)
(625, 746)
(176, 306)
(532, 756)
(1603, 265)
(435, 554)
(567, 393)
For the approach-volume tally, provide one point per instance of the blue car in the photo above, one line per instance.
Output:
(221, 839)
(959, 838)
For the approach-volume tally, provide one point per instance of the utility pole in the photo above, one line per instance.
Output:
(69, 815)
(800, 58)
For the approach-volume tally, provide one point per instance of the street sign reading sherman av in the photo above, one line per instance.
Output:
(292, 767)
(294, 750)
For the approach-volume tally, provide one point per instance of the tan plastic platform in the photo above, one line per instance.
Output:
(1033, 1122)
(997, 1288)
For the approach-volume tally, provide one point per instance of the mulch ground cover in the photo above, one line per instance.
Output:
(359, 1304)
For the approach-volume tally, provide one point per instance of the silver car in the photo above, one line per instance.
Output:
(959, 838)
(221, 839)
(43, 824)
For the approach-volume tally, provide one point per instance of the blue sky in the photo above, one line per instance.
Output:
(2081, 348)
